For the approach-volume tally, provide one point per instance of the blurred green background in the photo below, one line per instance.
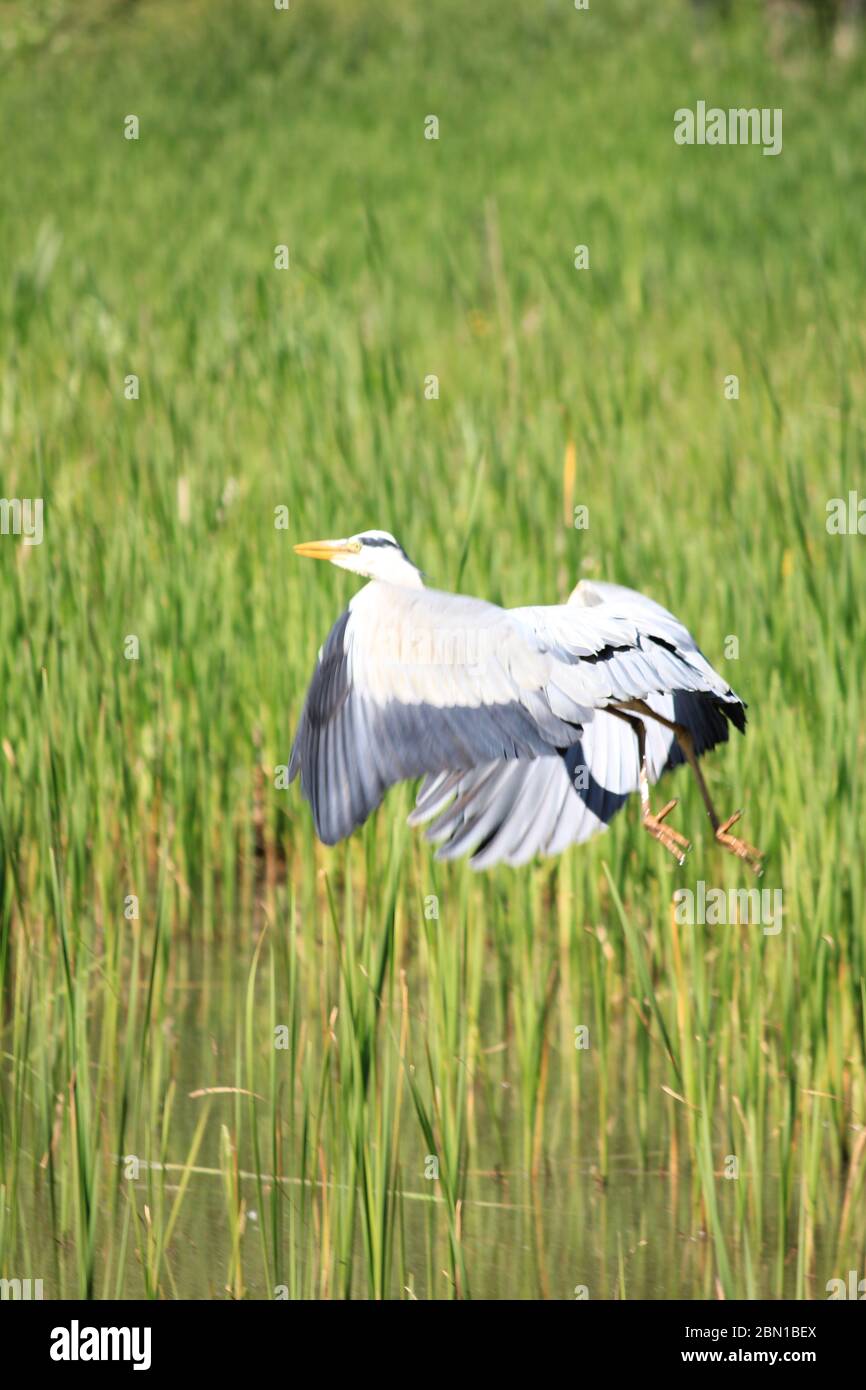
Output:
(157, 1138)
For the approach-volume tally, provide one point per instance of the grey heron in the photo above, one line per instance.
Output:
(531, 727)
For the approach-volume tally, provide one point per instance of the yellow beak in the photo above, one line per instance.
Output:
(324, 550)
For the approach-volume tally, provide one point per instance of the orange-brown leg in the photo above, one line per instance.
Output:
(675, 843)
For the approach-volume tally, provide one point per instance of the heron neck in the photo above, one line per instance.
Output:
(396, 569)
(408, 578)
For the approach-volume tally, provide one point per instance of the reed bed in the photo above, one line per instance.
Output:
(236, 1063)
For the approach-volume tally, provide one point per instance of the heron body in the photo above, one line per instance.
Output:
(530, 726)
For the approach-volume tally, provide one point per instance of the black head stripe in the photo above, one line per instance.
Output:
(384, 541)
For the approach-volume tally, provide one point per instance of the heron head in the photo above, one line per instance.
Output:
(374, 554)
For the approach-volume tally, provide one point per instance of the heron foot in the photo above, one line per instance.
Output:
(675, 843)
(741, 848)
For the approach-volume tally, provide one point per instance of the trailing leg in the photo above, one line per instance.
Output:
(675, 843)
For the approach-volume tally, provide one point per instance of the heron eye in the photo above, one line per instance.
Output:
(357, 547)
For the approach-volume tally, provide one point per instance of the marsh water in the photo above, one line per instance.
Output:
(276, 1200)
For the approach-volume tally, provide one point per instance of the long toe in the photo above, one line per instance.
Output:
(741, 848)
(670, 839)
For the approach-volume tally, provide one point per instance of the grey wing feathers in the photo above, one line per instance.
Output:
(410, 683)
(707, 723)
(513, 812)
(540, 808)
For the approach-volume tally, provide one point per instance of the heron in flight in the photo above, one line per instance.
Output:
(531, 727)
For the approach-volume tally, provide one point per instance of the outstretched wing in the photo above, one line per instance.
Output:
(513, 812)
(414, 681)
